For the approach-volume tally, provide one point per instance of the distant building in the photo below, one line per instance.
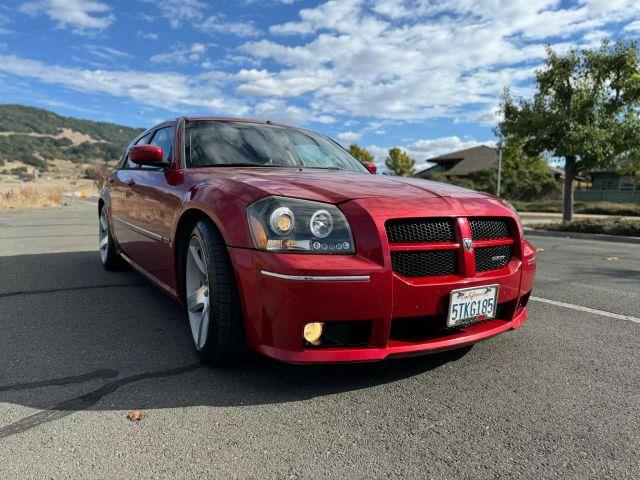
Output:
(462, 162)
(610, 179)
(580, 181)
(609, 185)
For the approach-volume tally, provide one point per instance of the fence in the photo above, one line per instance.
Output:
(616, 196)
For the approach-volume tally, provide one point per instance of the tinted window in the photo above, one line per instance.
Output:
(213, 143)
(164, 139)
(143, 141)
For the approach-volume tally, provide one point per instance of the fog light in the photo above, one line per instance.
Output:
(312, 332)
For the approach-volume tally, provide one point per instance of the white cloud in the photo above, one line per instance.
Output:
(277, 110)
(180, 11)
(416, 59)
(199, 15)
(349, 136)
(81, 16)
(107, 53)
(4, 21)
(181, 54)
(369, 63)
(167, 90)
(337, 15)
(146, 35)
(633, 27)
(218, 24)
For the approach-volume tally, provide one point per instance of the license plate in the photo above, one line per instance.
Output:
(468, 305)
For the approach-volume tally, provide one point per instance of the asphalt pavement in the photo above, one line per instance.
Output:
(80, 348)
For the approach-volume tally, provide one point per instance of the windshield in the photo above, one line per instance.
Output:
(220, 143)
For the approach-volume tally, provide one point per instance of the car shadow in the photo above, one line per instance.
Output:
(76, 337)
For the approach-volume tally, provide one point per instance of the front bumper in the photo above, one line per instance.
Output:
(276, 307)
(465, 336)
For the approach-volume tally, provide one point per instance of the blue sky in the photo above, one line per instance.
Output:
(420, 74)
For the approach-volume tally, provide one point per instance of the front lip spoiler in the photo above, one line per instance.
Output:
(318, 278)
(374, 354)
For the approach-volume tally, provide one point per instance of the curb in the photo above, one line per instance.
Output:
(583, 236)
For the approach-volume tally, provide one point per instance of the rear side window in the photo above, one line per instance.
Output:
(163, 138)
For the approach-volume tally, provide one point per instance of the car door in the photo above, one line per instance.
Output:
(152, 204)
(120, 183)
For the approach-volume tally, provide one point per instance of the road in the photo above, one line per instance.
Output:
(81, 348)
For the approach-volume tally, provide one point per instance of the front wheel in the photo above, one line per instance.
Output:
(108, 255)
(213, 306)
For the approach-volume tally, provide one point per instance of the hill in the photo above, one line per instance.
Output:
(39, 137)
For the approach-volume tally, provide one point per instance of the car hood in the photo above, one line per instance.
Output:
(335, 187)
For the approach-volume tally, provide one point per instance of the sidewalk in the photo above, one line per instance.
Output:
(544, 217)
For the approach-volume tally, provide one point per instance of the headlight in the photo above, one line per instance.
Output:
(282, 221)
(321, 224)
(280, 224)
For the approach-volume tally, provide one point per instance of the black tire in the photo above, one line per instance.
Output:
(225, 340)
(110, 258)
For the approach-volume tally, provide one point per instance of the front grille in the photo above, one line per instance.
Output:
(493, 258)
(431, 263)
(419, 230)
(489, 228)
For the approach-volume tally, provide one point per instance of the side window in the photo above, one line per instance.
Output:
(164, 139)
(143, 141)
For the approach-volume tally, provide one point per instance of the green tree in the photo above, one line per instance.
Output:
(585, 110)
(360, 153)
(399, 163)
(526, 177)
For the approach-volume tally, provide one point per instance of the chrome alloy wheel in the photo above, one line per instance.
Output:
(197, 289)
(103, 235)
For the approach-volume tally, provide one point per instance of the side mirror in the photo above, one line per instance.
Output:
(146, 155)
(370, 166)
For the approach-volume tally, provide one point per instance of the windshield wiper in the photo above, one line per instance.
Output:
(266, 165)
(247, 164)
(324, 168)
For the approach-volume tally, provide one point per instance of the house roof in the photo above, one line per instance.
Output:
(560, 172)
(469, 160)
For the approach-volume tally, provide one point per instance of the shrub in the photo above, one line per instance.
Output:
(595, 208)
(18, 171)
(608, 226)
(521, 184)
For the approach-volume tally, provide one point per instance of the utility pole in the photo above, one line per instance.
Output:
(499, 166)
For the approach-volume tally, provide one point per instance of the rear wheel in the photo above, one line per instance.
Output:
(108, 255)
(213, 307)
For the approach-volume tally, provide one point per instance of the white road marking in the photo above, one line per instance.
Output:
(587, 309)
(93, 204)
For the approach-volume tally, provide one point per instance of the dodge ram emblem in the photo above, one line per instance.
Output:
(468, 246)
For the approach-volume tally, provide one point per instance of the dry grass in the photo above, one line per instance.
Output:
(30, 195)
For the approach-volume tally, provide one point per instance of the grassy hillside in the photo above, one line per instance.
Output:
(36, 137)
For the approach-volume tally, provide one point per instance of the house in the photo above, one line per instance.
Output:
(610, 179)
(462, 162)
(610, 185)
(579, 181)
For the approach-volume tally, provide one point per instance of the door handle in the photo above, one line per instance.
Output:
(131, 182)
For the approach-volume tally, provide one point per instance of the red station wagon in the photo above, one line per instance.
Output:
(275, 238)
